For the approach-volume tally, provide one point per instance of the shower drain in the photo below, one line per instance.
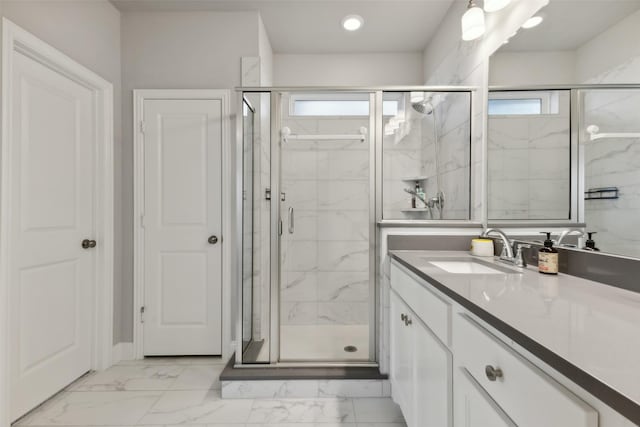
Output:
(351, 349)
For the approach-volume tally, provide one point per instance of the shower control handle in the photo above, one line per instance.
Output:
(291, 221)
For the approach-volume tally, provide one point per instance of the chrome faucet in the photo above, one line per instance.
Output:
(568, 232)
(507, 250)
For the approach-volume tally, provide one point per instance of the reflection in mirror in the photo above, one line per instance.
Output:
(611, 157)
(591, 47)
(529, 139)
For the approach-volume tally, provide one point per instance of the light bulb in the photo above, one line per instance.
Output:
(495, 5)
(472, 23)
(532, 22)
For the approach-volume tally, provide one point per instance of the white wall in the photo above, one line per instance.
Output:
(616, 48)
(175, 50)
(376, 69)
(265, 51)
(89, 33)
(532, 68)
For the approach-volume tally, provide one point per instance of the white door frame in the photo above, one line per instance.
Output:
(139, 96)
(16, 40)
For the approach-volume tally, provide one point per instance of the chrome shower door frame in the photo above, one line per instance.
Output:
(276, 225)
(375, 140)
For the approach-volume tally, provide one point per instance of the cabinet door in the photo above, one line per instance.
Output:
(473, 406)
(432, 379)
(401, 357)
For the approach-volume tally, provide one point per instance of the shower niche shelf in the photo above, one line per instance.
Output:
(414, 210)
(414, 178)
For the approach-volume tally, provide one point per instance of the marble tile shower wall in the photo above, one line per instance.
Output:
(453, 118)
(325, 274)
(410, 151)
(614, 163)
(529, 165)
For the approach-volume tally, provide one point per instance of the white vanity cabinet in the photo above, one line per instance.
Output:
(449, 370)
(421, 365)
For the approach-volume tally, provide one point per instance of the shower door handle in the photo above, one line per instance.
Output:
(291, 219)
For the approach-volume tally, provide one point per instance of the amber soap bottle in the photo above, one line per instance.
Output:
(548, 257)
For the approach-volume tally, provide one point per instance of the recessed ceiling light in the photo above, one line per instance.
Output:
(532, 22)
(352, 22)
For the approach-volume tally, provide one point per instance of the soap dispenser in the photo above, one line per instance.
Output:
(590, 245)
(548, 257)
(420, 196)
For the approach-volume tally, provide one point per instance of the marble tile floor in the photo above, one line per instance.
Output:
(186, 392)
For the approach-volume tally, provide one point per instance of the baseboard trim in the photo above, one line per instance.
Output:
(122, 351)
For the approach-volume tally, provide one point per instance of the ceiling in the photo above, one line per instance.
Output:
(313, 26)
(568, 24)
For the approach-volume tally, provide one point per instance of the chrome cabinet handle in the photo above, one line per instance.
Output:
(88, 244)
(212, 240)
(291, 219)
(492, 373)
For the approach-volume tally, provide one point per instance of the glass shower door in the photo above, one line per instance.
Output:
(325, 290)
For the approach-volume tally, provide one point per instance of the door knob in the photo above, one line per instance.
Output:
(88, 244)
(213, 240)
(492, 373)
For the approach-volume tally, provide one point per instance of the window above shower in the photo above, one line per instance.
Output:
(426, 156)
(336, 105)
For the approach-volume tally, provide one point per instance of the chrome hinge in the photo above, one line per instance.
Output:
(142, 314)
(267, 194)
(142, 126)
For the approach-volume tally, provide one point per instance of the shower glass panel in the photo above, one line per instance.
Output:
(426, 155)
(248, 114)
(256, 229)
(326, 295)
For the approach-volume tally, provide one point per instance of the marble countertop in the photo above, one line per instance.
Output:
(588, 331)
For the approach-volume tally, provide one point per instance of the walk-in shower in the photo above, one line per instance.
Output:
(312, 195)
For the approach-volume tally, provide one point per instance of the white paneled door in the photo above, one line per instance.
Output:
(51, 275)
(182, 226)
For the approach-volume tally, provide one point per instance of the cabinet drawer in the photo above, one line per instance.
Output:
(527, 395)
(433, 311)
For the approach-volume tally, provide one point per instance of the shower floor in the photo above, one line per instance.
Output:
(323, 343)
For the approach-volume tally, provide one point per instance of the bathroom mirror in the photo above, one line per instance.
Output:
(529, 155)
(586, 55)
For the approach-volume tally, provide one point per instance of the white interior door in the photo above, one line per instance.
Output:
(182, 225)
(51, 277)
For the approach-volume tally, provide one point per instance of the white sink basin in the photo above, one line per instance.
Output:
(466, 267)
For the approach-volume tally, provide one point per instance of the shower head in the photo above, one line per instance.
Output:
(423, 107)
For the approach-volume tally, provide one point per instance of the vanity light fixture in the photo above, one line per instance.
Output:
(495, 5)
(472, 22)
(352, 22)
(534, 21)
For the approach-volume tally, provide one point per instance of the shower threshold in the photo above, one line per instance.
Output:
(301, 371)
